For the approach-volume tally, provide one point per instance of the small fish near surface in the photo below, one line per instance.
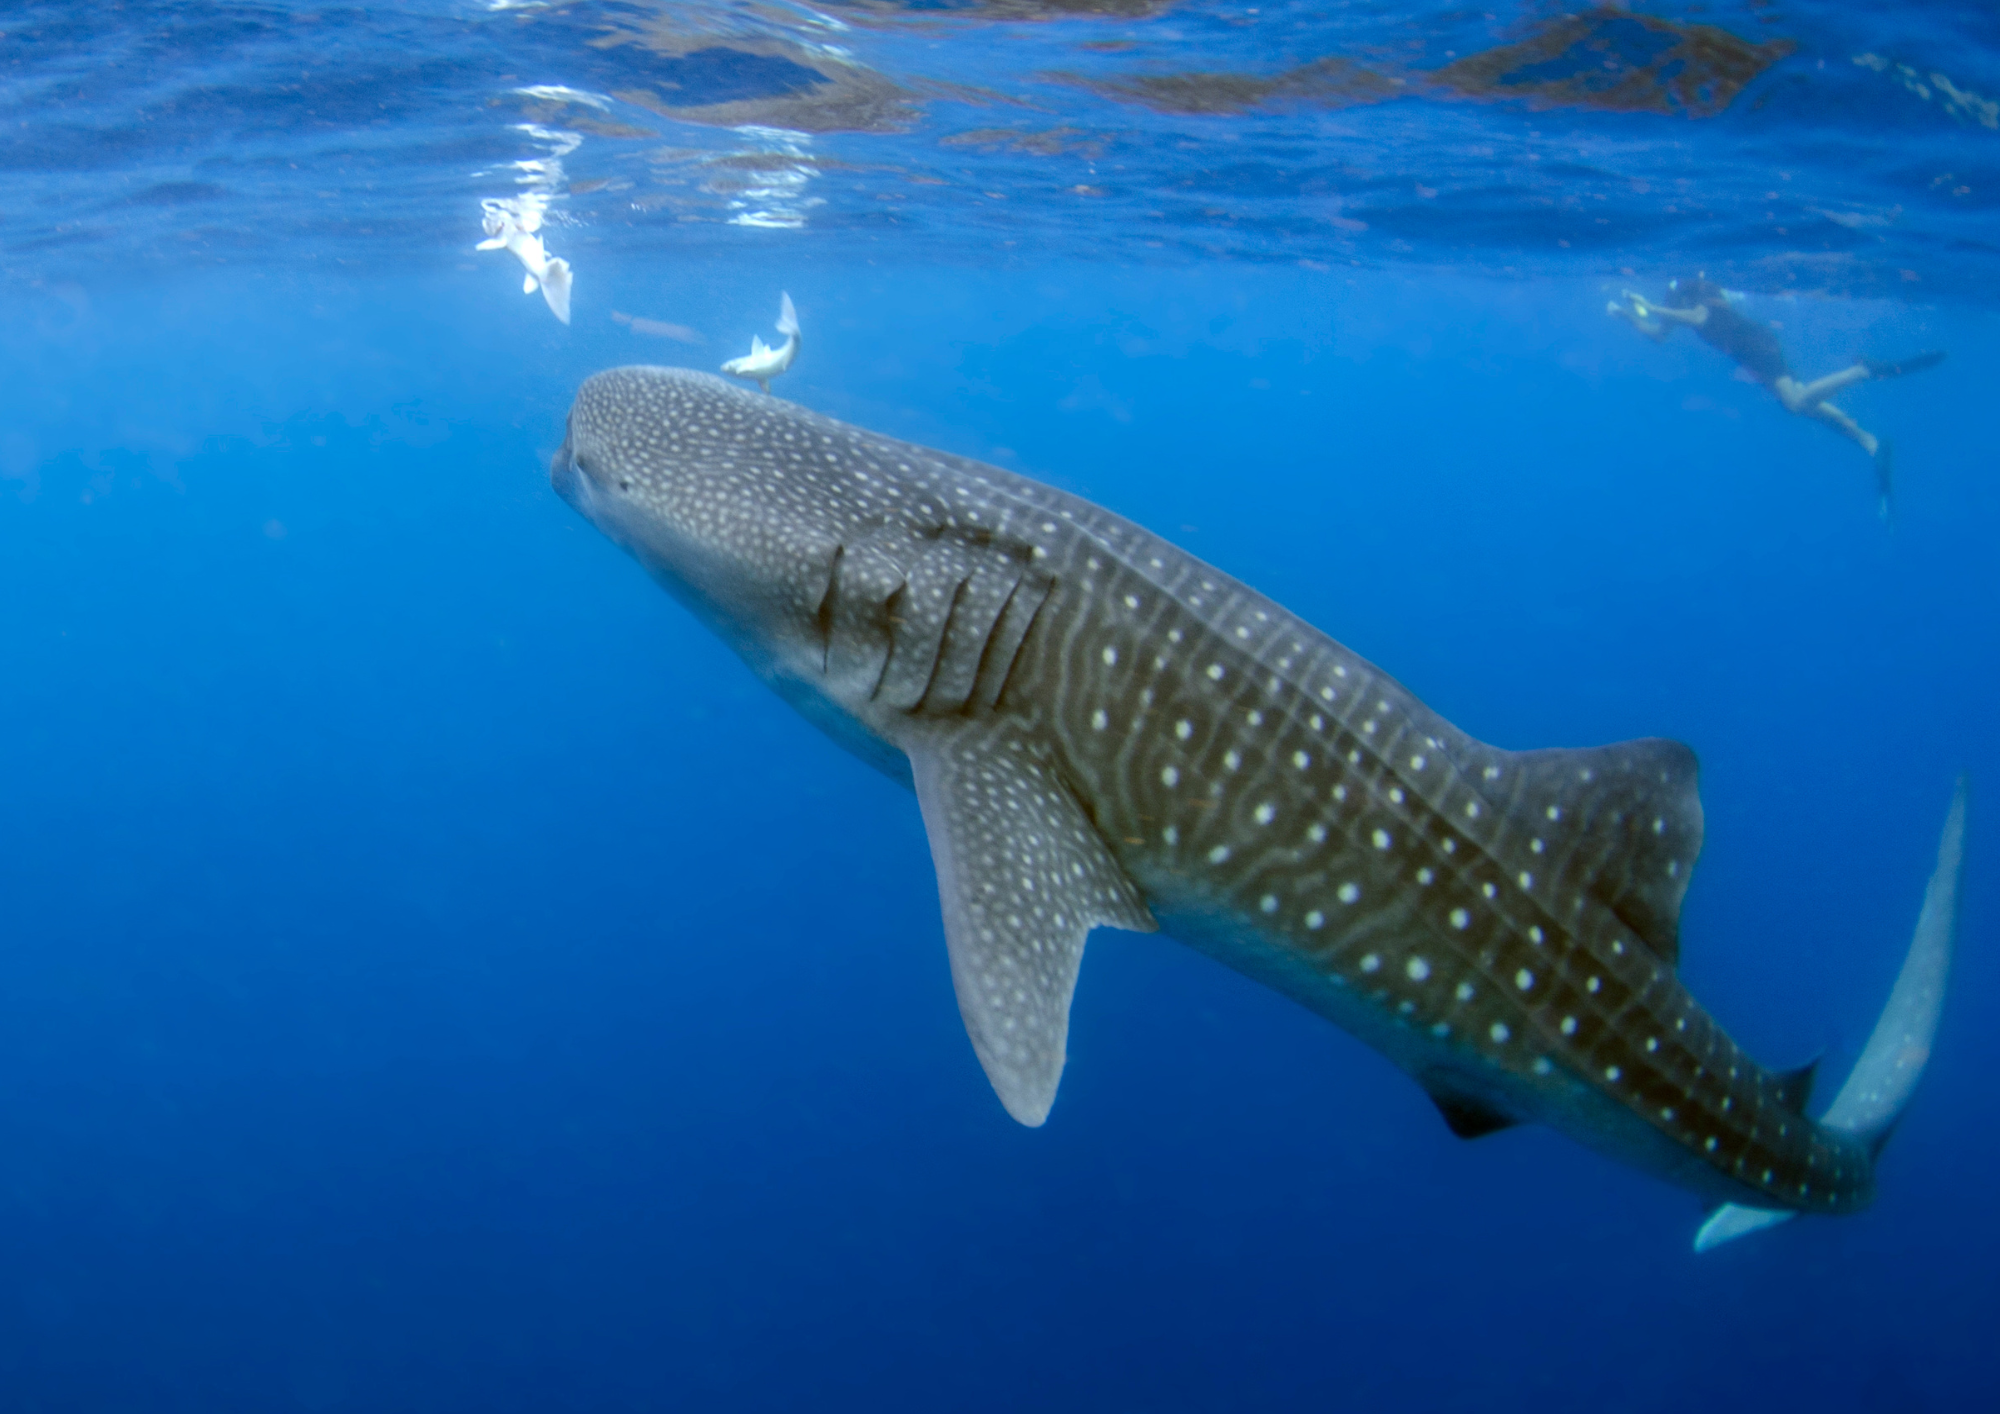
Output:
(1104, 731)
(512, 225)
(763, 363)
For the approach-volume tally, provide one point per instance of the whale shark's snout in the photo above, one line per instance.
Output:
(564, 474)
(660, 460)
(740, 514)
(576, 479)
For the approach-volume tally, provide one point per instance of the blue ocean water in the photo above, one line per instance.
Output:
(437, 976)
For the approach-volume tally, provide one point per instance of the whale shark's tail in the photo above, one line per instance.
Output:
(1882, 1081)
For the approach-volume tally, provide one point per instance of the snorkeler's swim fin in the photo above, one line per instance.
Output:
(1885, 473)
(1915, 363)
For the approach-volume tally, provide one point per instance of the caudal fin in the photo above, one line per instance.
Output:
(555, 288)
(788, 318)
(1885, 1077)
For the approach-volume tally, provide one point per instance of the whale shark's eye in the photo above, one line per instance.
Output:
(623, 484)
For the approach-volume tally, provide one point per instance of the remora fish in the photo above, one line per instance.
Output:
(1102, 730)
(512, 228)
(763, 363)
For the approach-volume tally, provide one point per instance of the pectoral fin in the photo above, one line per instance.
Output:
(1023, 876)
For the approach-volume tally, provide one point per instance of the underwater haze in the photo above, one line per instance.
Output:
(436, 977)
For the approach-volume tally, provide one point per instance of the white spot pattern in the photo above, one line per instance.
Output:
(1494, 950)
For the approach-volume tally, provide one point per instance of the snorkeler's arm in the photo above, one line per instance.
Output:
(1646, 309)
(1633, 311)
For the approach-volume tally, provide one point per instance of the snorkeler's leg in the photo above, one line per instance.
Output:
(1833, 417)
(1880, 452)
(1799, 396)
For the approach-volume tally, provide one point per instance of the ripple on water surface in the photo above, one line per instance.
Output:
(1802, 146)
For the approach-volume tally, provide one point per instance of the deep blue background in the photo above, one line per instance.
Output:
(436, 977)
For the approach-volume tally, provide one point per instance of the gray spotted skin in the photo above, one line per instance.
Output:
(989, 818)
(1104, 730)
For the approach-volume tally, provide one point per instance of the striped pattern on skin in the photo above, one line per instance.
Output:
(1164, 742)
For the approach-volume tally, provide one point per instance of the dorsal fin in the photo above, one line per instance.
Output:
(1795, 1086)
(1627, 817)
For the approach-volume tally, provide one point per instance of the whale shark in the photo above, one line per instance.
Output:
(1104, 731)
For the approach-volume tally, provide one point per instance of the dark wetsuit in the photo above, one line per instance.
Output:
(1754, 347)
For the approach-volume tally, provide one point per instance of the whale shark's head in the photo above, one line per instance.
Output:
(721, 493)
(742, 505)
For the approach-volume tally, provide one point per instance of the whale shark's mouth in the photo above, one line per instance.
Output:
(609, 507)
(569, 480)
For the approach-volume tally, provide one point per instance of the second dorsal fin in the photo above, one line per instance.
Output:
(1795, 1087)
(1627, 817)
(1467, 1113)
(1470, 1119)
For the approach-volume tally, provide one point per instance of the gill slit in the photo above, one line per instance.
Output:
(823, 615)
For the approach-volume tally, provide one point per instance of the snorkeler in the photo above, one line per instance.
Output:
(1705, 307)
